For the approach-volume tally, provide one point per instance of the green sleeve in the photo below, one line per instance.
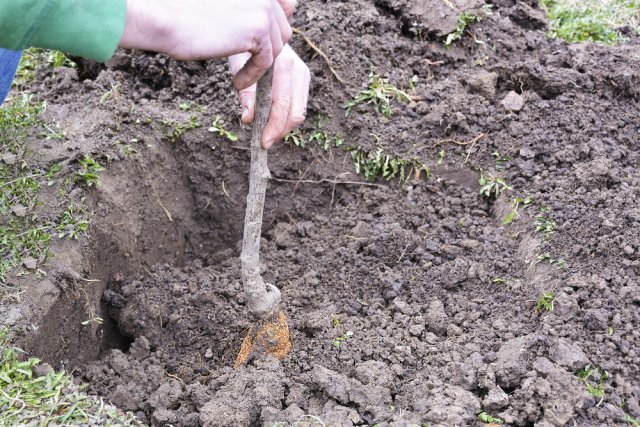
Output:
(89, 28)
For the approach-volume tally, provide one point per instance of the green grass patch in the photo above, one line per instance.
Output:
(591, 20)
(24, 235)
(374, 165)
(34, 58)
(27, 398)
(380, 94)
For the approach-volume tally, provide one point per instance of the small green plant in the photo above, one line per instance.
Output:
(296, 138)
(492, 185)
(113, 93)
(412, 83)
(500, 280)
(324, 139)
(596, 386)
(186, 106)
(631, 421)
(378, 164)
(591, 20)
(127, 149)
(218, 127)
(513, 213)
(545, 302)
(59, 59)
(97, 320)
(29, 63)
(560, 263)
(318, 135)
(52, 172)
(71, 224)
(464, 20)
(177, 129)
(88, 172)
(545, 225)
(501, 160)
(380, 93)
(441, 155)
(338, 341)
(486, 418)
(335, 321)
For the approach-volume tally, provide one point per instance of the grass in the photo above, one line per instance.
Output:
(545, 225)
(513, 213)
(492, 185)
(34, 58)
(326, 140)
(88, 174)
(486, 418)
(374, 165)
(73, 222)
(594, 381)
(217, 126)
(631, 421)
(591, 20)
(52, 398)
(22, 237)
(380, 94)
(464, 20)
(559, 263)
(545, 302)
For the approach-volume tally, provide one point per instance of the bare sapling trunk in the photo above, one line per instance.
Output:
(269, 334)
(264, 298)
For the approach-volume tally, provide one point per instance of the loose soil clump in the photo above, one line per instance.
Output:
(409, 303)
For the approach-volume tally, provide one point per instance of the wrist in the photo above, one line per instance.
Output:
(146, 26)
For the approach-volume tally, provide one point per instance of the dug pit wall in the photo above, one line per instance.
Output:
(177, 202)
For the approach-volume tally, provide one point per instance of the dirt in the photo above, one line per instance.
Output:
(408, 304)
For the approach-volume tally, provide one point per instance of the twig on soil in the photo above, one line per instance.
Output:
(325, 180)
(430, 75)
(466, 159)
(453, 141)
(313, 46)
(175, 377)
(166, 211)
(313, 417)
(224, 190)
(448, 3)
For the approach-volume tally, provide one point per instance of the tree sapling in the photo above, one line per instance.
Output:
(270, 333)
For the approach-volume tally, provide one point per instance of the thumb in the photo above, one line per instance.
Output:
(248, 95)
(248, 102)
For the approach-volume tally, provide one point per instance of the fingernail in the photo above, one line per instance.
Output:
(245, 114)
(267, 144)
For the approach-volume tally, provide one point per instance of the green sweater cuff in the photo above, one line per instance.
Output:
(88, 28)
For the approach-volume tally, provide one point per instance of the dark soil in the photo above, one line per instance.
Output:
(408, 305)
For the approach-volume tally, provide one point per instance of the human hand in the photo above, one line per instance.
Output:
(197, 30)
(290, 92)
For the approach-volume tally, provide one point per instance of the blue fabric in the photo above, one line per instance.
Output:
(9, 61)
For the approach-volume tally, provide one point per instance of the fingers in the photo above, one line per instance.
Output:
(281, 100)
(285, 28)
(291, 78)
(248, 102)
(265, 49)
(300, 96)
(260, 61)
(288, 6)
